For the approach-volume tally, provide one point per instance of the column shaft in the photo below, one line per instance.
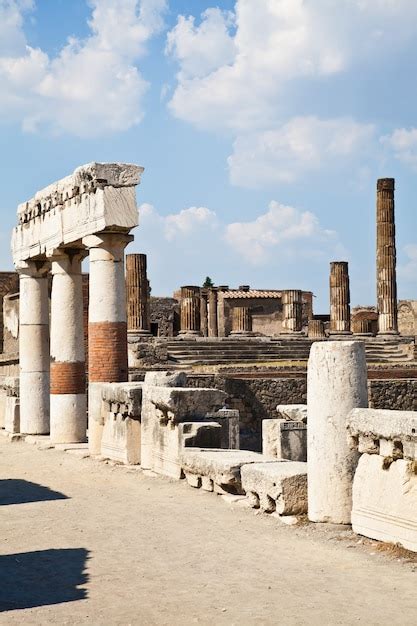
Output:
(241, 321)
(34, 349)
(339, 298)
(137, 293)
(203, 314)
(386, 257)
(213, 330)
(68, 393)
(292, 310)
(190, 310)
(316, 329)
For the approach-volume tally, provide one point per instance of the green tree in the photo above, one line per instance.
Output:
(208, 282)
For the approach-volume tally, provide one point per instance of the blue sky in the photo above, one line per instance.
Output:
(262, 127)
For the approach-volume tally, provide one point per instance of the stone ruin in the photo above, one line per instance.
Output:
(331, 459)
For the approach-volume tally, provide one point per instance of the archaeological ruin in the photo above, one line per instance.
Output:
(238, 391)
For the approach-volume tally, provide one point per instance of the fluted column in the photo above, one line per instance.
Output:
(34, 348)
(213, 330)
(386, 258)
(362, 327)
(241, 321)
(339, 298)
(137, 295)
(190, 310)
(316, 329)
(203, 313)
(68, 392)
(292, 311)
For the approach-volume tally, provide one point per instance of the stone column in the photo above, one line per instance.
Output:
(203, 313)
(68, 392)
(107, 327)
(363, 328)
(339, 298)
(241, 321)
(386, 258)
(190, 311)
(336, 384)
(316, 329)
(213, 330)
(34, 348)
(137, 293)
(292, 311)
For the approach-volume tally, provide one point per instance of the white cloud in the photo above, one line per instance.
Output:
(403, 143)
(407, 271)
(282, 231)
(92, 85)
(184, 224)
(302, 144)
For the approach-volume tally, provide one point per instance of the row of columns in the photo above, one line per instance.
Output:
(52, 360)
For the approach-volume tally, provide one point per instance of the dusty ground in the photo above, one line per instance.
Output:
(125, 548)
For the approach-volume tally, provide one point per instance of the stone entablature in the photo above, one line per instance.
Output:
(96, 197)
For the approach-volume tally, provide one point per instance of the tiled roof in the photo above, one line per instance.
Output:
(252, 293)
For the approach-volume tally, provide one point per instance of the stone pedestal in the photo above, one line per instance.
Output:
(339, 298)
(336, 383)
(68, 392)
(213, 330)
(292, 311)
(203, 313)
(34, 348)
(137, 295)
(107, 327)
(316, 329)
(386, 258)
(241, 321)
(190, 311)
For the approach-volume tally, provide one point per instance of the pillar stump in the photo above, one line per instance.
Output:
(241, 321)
(34, 348)
(190, 311)
(137, 295)
(386, 258)
(339, 298)
(107, 326)
(68, 391)
(213, 330)
(336, 384)
(316, 329)
(292, 311)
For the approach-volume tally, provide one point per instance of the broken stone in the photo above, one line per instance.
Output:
(280, 486)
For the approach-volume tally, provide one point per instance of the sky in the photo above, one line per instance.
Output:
(262, 127)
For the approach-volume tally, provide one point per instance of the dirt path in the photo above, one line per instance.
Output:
(113, 546)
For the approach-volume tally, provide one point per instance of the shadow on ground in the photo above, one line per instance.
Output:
(16, 491)
(40, 578)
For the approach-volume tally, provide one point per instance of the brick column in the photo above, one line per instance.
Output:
(386, 258)
(339, 298)
(213, 330)
(107, 327)
(292, 310)
(34, 348)
(241, 321)
(137, 293)
(190, 311)
(68, 393)
(203, 313)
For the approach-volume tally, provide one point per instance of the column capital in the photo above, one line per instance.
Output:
(38, 268)
(66, 260)
(107, 239)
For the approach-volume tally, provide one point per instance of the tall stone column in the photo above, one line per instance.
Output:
(241, 321)
(203, 313)
(68, 392)
(339, 298)
(107, 327)
(34, 348)
(292, 310)
(190, 311)
(386, 258)
(213, 330)
(137, 293)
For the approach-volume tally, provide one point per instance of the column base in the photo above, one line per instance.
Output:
(363, 334)
(185, 334)
(387, 334)
(288, 334)
(139, 333)
(241, 333)
(68, 418)
(341, 333)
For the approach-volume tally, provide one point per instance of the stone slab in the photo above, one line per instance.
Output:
(293, 412)
(280, 486)
(383, 424)
(121, 439)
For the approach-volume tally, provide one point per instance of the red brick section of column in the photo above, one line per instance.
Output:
(137, 295)
(292, 309)
(241, 321)
(339, 298)
(203, 313)
(386, 258)
(213, 330)
(190, 310)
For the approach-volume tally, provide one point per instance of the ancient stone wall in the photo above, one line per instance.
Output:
(399, 395)
(164, 316)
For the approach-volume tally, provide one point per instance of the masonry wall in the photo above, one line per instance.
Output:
(164, 316)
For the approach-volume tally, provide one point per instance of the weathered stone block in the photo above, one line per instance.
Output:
(282, 439)
(121, 439)
(293, 412)
(385, 501)
(12, 415)
(166, 379)
(280, 486)
(200, 435)
(228, 419)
